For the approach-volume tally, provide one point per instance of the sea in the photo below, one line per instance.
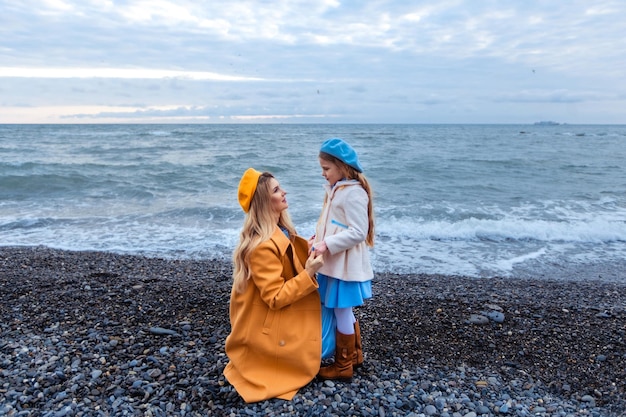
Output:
(539, 201)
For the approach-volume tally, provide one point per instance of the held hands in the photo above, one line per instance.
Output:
(316, 258)
(319, 248)
(313, 263)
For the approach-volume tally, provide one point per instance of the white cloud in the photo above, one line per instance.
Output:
(59, 6)
(124, 73)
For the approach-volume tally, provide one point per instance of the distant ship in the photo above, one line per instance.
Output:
(547, 123)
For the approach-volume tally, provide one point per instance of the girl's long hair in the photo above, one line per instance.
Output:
(258, 226)
(353, 174)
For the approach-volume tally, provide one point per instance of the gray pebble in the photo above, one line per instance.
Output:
(162, 332)
(95, 357)
(496, 316)
(478, 319)
(430, 410)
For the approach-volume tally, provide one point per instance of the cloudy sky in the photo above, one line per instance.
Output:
(300, 61)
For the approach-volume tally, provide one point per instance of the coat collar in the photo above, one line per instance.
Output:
(281, 241)
(340, 184)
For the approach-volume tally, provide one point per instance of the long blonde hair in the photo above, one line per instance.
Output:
(258, 226)
(353, 174)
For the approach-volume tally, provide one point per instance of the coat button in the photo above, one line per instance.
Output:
(281, 343)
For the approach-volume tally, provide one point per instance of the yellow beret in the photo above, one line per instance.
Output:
(247, 187)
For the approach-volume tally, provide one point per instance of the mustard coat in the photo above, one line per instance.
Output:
(274, 347)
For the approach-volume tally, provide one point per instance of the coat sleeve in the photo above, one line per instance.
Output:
(276, 289)
(356, 217)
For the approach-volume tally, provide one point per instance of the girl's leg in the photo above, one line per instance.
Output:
(345, 320)
(347, 324)
(342, 368)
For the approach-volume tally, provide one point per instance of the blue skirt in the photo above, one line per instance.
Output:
(336, 293)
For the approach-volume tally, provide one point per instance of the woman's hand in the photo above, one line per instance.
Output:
(313, 264)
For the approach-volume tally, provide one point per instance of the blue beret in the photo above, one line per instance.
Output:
(342, 151)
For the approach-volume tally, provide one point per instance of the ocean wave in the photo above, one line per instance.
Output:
(464, 199)
(474, 229)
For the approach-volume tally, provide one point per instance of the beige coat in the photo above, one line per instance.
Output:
(343, 226)
(275, 343)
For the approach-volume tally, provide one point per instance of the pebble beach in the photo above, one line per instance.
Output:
(103, 334)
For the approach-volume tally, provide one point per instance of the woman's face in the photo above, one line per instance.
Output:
(277, 196)
(331, 171)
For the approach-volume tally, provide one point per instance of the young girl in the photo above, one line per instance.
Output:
(344, 230)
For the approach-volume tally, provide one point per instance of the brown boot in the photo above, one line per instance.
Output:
(357, 359)
(344, 351)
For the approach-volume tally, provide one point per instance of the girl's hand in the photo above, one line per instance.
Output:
(320, 248)
(311, 242)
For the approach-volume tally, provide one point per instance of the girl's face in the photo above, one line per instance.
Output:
(331, 171)
(277, 197)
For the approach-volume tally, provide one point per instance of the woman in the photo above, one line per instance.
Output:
(274, 346)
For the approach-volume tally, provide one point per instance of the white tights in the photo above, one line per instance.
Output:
(345, 320)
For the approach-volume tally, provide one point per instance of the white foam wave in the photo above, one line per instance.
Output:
(605, 229)
(508, 264)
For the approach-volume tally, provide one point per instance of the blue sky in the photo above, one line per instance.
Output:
(329, 61)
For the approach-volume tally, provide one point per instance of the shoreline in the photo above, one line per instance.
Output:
(556, 345)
